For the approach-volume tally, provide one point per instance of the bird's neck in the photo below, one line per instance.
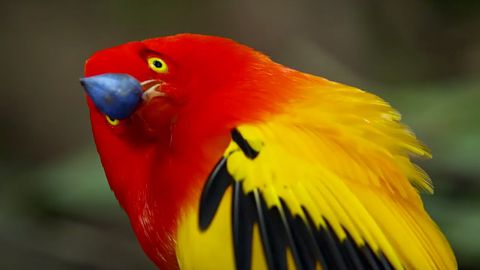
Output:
(173, 184)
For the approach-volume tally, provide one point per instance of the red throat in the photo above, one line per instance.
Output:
(154, 183)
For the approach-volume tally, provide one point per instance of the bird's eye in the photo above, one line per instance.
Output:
(157, 65)
(111, 121)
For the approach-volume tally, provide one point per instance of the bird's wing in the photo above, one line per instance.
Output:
(326, 187)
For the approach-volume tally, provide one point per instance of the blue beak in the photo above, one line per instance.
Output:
(115, 95)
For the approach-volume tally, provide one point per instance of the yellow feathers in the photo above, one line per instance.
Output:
(338, 161)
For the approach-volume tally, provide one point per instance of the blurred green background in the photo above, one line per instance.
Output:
(56, 209)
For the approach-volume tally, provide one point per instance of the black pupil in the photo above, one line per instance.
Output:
(157, 64)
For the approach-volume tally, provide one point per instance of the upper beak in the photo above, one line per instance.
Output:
(115, 95)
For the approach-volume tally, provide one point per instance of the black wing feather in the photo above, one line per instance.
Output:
(309, 251)
(300, 251)
(213, 191)
(272, 234)
(351, 254)
(243, 219)
(243, 144)
(370, 258)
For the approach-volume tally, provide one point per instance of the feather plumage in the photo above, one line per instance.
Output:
(237, 161)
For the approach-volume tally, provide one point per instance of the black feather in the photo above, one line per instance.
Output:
(301, 253)
(370, 258)
(243, 144)
(351, 254)
(384, 262)
(309, 251)
(213, 191)
(330, 248)
(272, 234)
(243, 218)
(308, 233)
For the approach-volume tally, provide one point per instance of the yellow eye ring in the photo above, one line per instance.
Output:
(157, 65)
(111, 121)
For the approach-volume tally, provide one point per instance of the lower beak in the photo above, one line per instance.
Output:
(115, 95)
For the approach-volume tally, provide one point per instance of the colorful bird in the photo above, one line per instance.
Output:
(224, 159)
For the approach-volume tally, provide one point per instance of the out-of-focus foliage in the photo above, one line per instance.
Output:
(56, 209)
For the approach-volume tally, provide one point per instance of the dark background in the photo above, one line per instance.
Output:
(56, 209)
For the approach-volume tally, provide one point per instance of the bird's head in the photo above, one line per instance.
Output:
(146, 84)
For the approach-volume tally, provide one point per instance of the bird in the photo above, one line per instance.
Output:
(225, 159)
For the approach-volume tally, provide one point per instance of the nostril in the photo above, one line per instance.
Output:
(148, 84)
